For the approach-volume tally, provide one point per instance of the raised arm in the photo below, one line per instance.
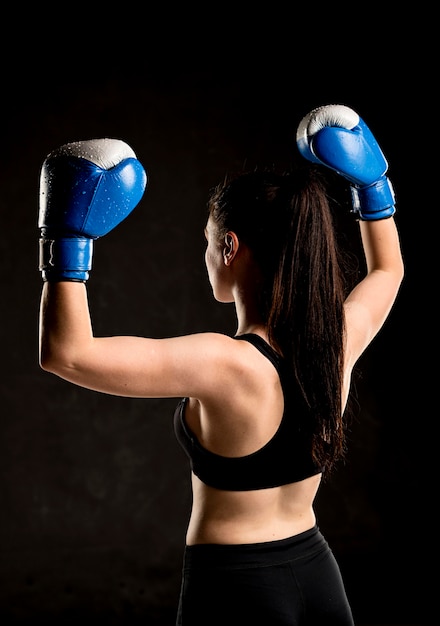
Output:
(86, 189)
(336, 137)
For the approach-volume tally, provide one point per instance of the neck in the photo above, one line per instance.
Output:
(249, 321)
(245, 296)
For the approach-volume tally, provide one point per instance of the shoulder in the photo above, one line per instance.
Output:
(220, 364)
(199, 365)
(239, 402)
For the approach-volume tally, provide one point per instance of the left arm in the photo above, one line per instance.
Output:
(371, 300)
(336, 137)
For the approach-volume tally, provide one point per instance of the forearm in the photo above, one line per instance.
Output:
(381, 245)
(369, 303)
(86, 189)
(65, 325)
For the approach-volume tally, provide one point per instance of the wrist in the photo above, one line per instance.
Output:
(65, 258)
(375, 201)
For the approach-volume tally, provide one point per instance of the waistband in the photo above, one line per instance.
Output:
(255, 554)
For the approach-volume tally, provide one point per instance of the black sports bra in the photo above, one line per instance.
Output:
(284, 459)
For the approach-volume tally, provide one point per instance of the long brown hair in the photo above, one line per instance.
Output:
(287, 222)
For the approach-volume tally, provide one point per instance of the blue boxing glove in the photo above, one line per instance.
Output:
(86, 189)
(335, 136)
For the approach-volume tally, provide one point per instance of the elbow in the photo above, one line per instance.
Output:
(47, 366)
(44, 357)
(53, 360)
(400, 272)
(64, 360)
(49, 362)
(397, 274)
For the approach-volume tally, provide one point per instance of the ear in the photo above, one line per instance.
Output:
(230, 248)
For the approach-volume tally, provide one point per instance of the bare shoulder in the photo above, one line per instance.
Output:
(216, 363)
(200, 365)
(238, 404)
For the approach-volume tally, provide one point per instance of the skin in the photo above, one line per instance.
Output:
(235, 399)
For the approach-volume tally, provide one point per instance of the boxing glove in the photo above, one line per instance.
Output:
(335, 136)
(86, 189)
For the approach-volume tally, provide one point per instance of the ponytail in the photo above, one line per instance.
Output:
(305, 319)
(286, 221)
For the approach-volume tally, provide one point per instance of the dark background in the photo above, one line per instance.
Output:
(94, 490)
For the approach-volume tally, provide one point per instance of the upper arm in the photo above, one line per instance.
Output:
(142, 367)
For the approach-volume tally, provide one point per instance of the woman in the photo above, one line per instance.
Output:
(262, 415)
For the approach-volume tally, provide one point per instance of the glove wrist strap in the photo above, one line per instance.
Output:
(66, 258)
(374, 202)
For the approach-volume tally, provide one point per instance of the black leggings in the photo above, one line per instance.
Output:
(291, 582)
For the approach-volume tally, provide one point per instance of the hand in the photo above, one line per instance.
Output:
(86, 189)
(335, 136)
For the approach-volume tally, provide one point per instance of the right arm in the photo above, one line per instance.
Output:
(128, 366)
(86, 189)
